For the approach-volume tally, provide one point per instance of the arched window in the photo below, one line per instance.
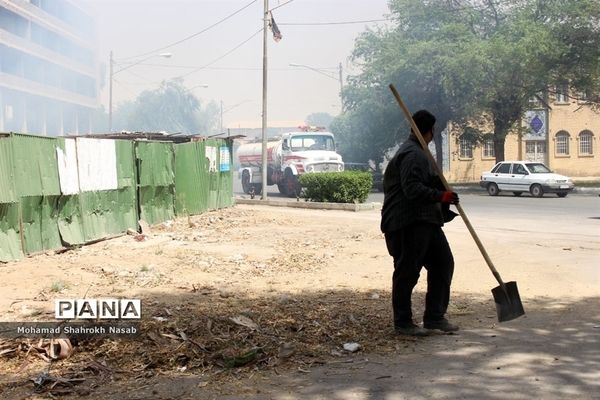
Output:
(586, 141)
(562, 143)
(488, 147)
(465, 146)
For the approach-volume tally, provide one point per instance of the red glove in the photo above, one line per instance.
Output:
(449, 198)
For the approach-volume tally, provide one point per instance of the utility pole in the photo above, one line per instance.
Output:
(221, 124)
(110, 83)
(341, 87)
(264, 103)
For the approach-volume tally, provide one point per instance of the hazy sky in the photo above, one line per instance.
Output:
(133, 27)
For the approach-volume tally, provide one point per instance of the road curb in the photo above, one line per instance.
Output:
(312, 204)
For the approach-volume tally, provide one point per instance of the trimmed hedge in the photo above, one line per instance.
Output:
(337, 187)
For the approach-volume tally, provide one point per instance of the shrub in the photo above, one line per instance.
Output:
(337, 187)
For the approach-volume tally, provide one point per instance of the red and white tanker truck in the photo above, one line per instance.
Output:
(291, 155)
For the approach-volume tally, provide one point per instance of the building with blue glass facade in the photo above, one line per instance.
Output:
(48, 67)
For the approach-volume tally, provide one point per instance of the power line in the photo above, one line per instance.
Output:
(124, 87)
(332, 23)
(222, 56)
(141, 77)
(211, 68)
(281, 5)
(225, 68)
(193, 35)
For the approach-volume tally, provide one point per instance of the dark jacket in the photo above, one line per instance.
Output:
(411, 189)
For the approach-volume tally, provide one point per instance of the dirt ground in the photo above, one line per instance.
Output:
(258, 302)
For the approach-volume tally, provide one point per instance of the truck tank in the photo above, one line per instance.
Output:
(250, 154)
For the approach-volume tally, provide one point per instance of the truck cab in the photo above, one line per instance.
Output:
(306, 150)
(310, 152)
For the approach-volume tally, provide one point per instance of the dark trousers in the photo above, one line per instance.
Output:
(414, 247)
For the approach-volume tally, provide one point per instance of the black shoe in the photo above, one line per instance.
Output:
(411, 329)
(442, 325)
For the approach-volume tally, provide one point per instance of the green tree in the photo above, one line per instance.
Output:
(171, 108)
(319, 119)
(463, 59)
(208, 117)
(421, 51)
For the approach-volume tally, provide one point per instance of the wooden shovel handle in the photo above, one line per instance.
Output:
(446, 185)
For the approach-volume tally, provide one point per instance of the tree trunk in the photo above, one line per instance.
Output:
(499, 148)
(502, 127)
(439, 143)
(439, 151)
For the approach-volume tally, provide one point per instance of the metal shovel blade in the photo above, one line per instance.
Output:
(508, 302)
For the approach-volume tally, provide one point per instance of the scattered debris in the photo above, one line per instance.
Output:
(144, 227)
(6, 351)
(286, 350)
(352, 347)
(284, 299)
(244, 321)
(206, 323)
(59, 349)
(239, 360)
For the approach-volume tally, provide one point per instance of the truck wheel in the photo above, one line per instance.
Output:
(292, 185)
(282, 188)
(256, 187)
(246, 182)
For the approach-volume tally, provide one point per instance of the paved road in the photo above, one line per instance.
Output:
(475, 200)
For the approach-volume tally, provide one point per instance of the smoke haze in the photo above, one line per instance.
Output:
(139, 27)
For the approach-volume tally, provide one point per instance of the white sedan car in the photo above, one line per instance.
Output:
(524, 176)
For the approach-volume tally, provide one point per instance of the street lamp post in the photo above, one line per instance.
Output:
(112, 73)
(329, 75)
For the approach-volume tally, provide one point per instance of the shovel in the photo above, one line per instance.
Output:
(506, 296)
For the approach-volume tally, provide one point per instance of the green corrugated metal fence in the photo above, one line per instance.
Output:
(224, 182)
(8, 193)
(97, 214)
(10, 240)
(155, 182)
(36, 182)
(220, 176)
(191, 194)
(110, 212)
(156, 177)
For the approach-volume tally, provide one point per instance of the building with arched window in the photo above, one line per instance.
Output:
(586, 143)
(562, 140)
(48, 68)
(562, 133)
